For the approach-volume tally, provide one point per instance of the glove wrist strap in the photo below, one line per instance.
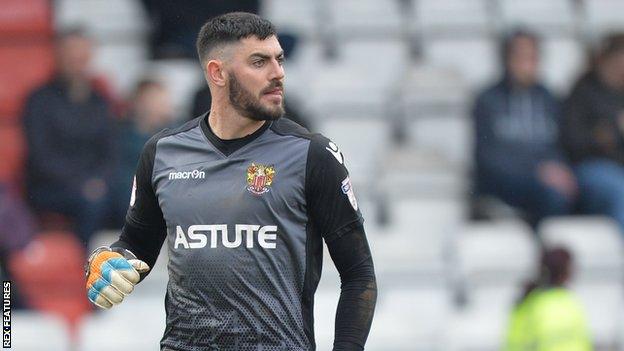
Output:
(127, 254)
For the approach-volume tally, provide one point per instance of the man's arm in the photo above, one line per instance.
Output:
(333, 209)
(358, 290)
(144, 230)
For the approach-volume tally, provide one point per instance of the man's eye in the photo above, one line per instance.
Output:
(259, 63)
(280, 61)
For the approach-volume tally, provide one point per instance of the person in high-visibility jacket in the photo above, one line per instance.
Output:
(549, 317)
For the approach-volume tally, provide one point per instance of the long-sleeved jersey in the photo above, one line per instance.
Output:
(244, 222)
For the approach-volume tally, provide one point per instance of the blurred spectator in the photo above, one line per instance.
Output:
(16, 231)
(549, 316)
(151, 110)
(593, 132)
(68, 128)
(203, 99)
(516, 121)
(175, 24)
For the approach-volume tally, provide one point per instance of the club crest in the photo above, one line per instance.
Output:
(259, 178)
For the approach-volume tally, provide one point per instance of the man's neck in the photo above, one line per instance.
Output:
(227, 123)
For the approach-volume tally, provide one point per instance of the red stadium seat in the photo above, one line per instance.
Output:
(22, 68)
(21, 19)
(12, 154)
(49, 272)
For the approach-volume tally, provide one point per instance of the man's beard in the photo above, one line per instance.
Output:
(249, 106)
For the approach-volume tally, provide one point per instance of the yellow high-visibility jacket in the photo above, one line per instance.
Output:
(548, 320)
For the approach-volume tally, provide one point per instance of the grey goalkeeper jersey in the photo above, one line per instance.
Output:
(243, 230)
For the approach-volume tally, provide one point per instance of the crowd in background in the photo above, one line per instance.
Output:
(542, 154)
(551, 156)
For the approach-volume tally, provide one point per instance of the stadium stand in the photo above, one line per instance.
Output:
(50, 274)
(595, 242)
(538, 15)
(36, 331)
(438, 18)
(121, 322)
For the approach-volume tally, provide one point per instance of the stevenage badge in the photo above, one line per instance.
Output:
(259, 178)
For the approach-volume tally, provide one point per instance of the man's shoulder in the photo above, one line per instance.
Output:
(45, 90)
(286, 126)
(185, 127)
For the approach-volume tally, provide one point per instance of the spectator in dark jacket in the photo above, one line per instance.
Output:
(175, 24)
(68, 129)
(593, 132)
(150, 111)
(517, 155)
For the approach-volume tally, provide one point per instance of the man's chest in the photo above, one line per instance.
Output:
(250, 188)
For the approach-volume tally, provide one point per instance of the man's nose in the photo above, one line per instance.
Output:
(277, 71)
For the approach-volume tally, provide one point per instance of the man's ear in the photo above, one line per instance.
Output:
(215, 72)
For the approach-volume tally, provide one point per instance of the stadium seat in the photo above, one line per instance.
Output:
(362, 142)
(122, 63)
(603, 305)
(25, 20)
(365, 18)
(25, 65)
(301, 17)
(450, 136)
(492, 261)
(412, 318)
(348, 86)
(137, 324)
(563, 60)
(415, 244)
(424, 172)
(432, 90)
(475, 58)
(451, 18)
(35, 331)
(473, 329)
(325, 303)
(549, 17)
(603, 16)
(12, 154)
(595, 243)
(50, 274)
(108, 21)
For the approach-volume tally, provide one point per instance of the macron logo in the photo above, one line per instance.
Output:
(194, 174)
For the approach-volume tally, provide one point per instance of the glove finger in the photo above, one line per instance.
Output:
(112, 294)
(96, 297)
(139, 265)
(119, 282)
(102, 302)
(121, 266)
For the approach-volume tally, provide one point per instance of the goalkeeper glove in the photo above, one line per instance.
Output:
(112, 274)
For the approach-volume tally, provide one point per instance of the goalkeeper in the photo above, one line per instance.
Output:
(244, 199)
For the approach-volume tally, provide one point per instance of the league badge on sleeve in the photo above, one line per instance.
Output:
(347, 189)
(259, 178)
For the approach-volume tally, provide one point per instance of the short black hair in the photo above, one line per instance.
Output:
(229, 28)
(509, 39)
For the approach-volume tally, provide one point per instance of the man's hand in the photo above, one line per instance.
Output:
(111, 275)
(558, 176)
